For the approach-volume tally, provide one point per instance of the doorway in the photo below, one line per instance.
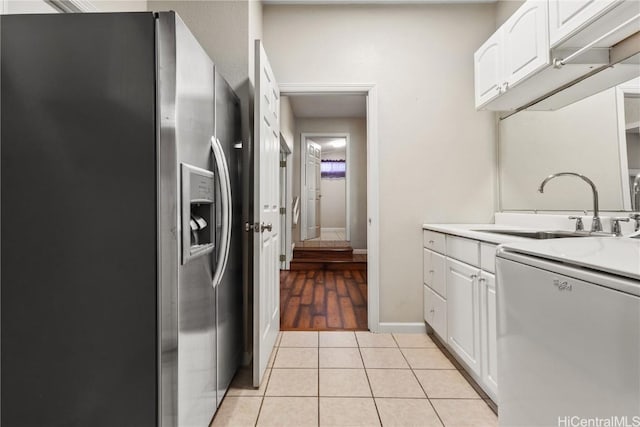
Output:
(327, 286)
(325, 183)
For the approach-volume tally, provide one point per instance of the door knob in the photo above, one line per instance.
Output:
(267, 227)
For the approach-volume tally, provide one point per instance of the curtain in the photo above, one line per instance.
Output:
(333, 169)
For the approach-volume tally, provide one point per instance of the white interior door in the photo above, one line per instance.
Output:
(312, 188)
(266, 313)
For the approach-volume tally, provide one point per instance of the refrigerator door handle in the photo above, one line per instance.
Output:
(226, 208)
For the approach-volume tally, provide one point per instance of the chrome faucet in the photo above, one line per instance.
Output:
(596, 224)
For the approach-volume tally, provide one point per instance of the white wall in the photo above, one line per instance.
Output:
(506, 8)
(333, 205)
(120, 5)
(357, 130)
(436, 152)
(287, 122)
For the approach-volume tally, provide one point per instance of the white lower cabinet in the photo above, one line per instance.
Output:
(435, 312)
(434, 271)
(459, 294)
(489, 329)
(463, 315)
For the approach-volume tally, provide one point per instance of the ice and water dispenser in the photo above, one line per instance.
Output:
(198, 212)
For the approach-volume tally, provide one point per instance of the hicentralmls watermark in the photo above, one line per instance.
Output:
(613, 421)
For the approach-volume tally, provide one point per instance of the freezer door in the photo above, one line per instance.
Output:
(186, 96)
(566, 347)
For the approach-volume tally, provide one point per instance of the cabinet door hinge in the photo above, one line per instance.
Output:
(283, 258)
(283, 211)
(283, 163)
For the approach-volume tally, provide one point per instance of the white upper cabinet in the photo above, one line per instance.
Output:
(514, 67)
(526, 42)
(518, 49)
(568, 16)
(488, 69)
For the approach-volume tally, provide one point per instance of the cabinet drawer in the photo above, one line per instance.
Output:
(488, 257)
(464, 250)
(434, 241)
(434, 271)
(435, 312)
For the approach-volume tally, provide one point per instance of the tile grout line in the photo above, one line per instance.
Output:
(266, 386)
(419, 383)
(375, 404)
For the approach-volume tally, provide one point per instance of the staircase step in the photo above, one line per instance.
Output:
(323, 254)
(297, 265)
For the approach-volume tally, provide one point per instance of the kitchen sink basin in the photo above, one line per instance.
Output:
(540, 235)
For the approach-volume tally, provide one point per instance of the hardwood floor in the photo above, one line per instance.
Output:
(323, 300)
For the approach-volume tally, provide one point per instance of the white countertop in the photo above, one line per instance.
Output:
(615, 255)
(470, 231)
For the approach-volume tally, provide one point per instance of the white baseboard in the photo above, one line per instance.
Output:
(403, 328)
(359, 251)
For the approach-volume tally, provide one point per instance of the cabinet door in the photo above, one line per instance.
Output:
(488, 69)
(526, 42)
(568, 16)
(434, 271)
(435, 312)
(489, 331)
(463, 314)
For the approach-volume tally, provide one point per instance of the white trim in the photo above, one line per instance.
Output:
(373, 190)
(403, 327)
(73, 6)
(347, 181)
(359, 251)
(622, 143)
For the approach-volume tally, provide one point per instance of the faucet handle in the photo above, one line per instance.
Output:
(615, 224)
(636, 218)
(579, 223)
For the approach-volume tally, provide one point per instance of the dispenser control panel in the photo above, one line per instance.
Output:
(198, 212)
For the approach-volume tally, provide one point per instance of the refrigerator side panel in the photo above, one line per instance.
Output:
(168, 225)
(78, 220)
(229, 291)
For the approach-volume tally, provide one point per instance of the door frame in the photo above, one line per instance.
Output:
(303, 154)
(285, 195)
(370, 91)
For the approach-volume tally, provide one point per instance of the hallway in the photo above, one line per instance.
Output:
(323, 300)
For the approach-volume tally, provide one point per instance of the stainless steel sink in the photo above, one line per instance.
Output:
(540, 235)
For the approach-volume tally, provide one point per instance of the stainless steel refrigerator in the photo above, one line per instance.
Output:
(120, 189)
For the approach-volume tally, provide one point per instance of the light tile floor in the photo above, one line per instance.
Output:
(355, 379)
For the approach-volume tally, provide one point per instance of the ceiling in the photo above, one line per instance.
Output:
(326, 144)
(328, 106)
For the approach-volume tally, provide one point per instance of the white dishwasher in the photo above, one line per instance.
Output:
(569, 332)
